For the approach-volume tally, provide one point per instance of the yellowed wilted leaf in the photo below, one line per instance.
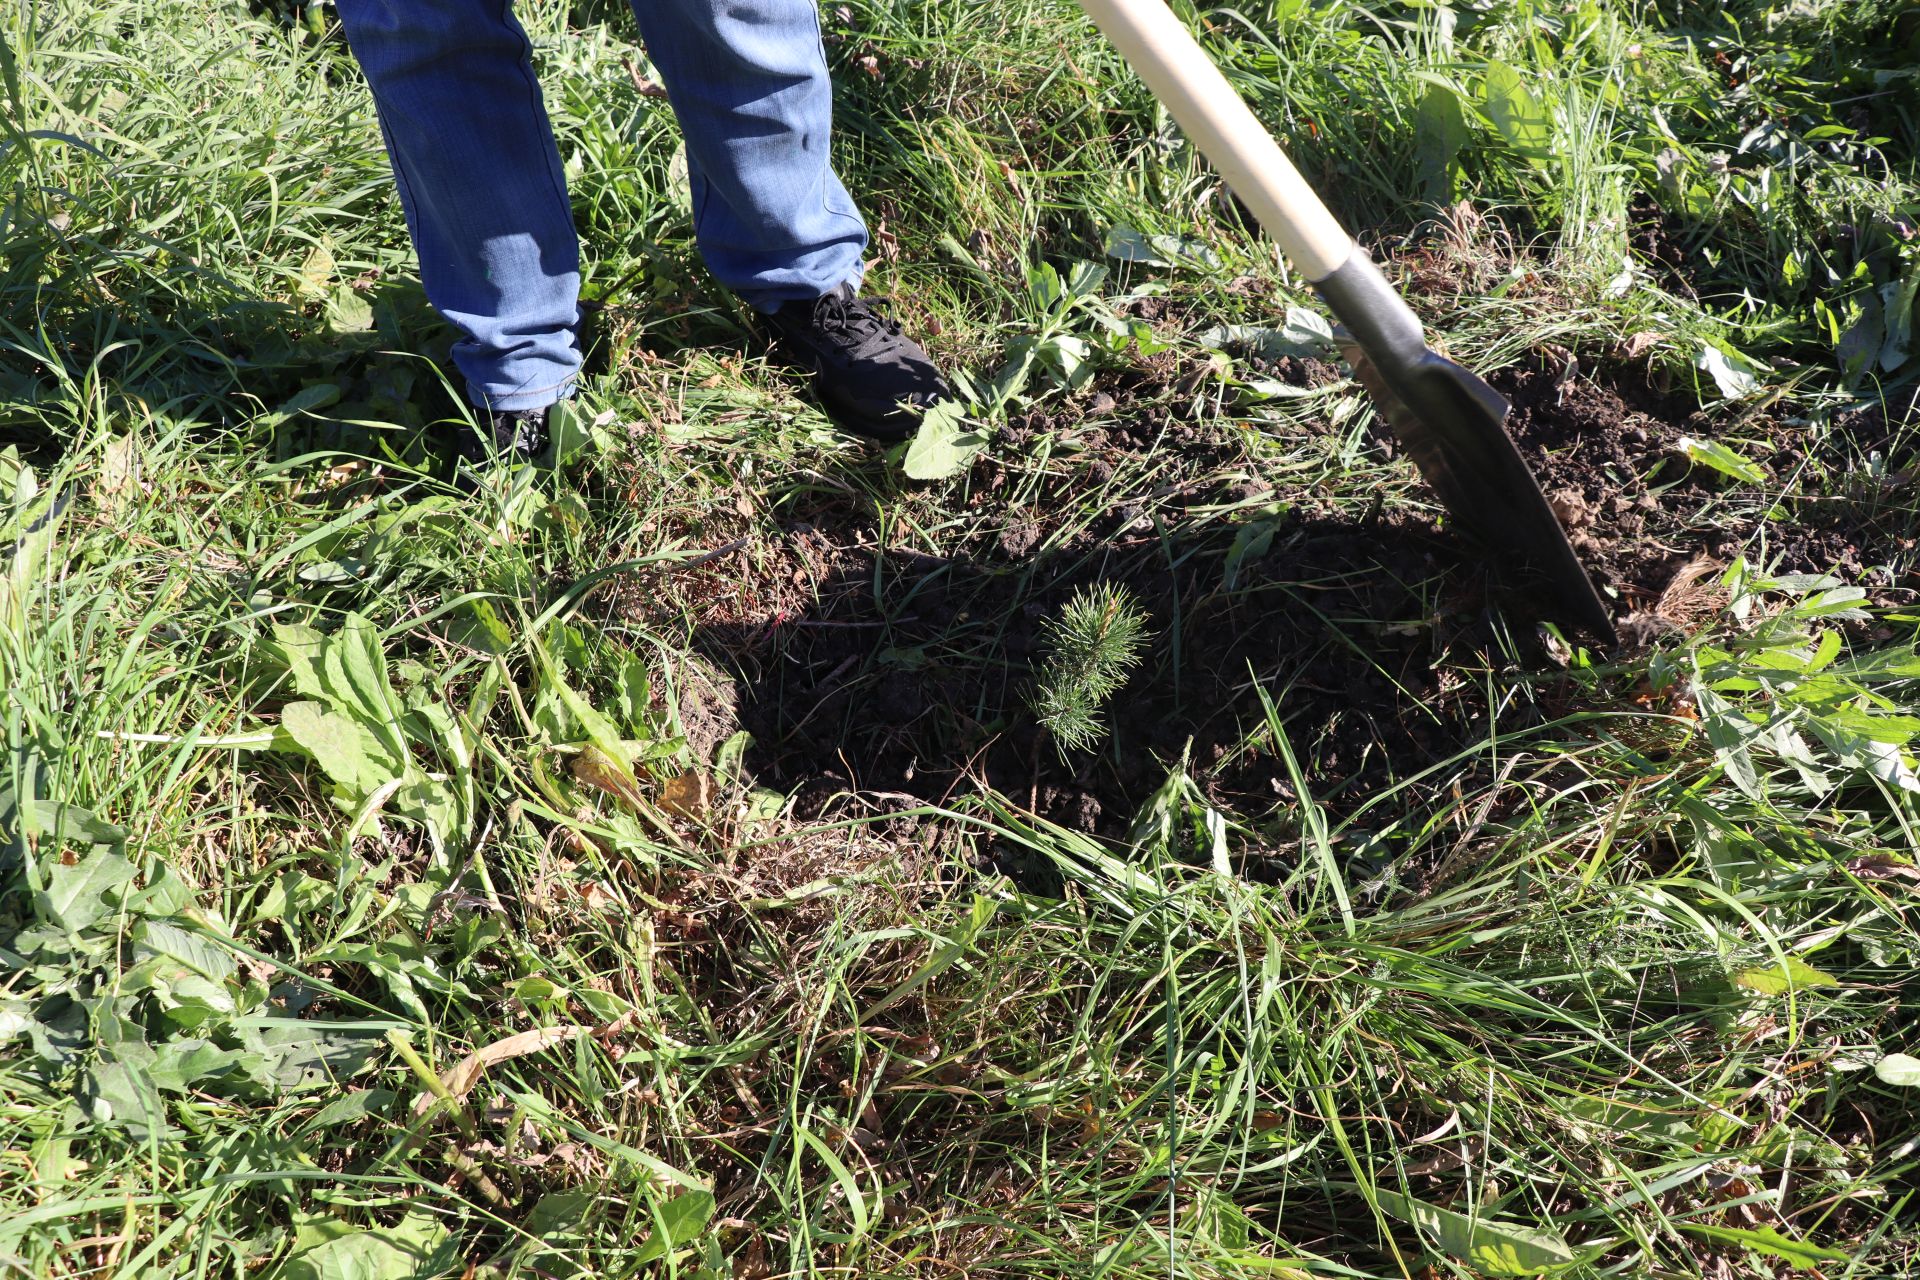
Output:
(116, 466)
(601, 771)
(316, 272)
(461, 1078)
(597, 898)
(687, 795)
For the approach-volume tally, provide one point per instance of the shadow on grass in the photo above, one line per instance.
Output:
(212, 353)
(910, 674)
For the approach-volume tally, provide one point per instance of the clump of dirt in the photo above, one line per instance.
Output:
(706, 701)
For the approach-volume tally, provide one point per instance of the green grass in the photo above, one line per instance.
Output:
(321, 777)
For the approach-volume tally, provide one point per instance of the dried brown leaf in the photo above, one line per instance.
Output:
(463, 1076)
(688, 795)
(1638, 344)
(1883, 866)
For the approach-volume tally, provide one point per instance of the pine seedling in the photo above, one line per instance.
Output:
(1092, 647)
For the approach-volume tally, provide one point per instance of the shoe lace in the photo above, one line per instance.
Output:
(522, 432)
(853, 319)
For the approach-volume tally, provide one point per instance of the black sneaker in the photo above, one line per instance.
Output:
(872, 378)
(513, 435)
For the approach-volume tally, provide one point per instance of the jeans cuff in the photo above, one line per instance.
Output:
(768, 301)
(520, 401)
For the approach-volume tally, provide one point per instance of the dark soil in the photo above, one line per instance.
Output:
(1606, 450)
(1378, 639)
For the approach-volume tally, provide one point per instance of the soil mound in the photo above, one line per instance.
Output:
(1384, 642)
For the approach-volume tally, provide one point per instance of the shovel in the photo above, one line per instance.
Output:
(1447, 419)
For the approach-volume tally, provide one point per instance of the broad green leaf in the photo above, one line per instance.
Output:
(348, 310)
(157, 938)
(560, 1224)
(431, 804)
(1898, 296)
(1523, 123)
(417, 1248)
(1440, 131)
(1732, 736)
(944, 446)
(570, 431)
(558, 1211)
(1840, 602)
(1894, 730)
(633, 699)
(1127, 244)
(178, 1064)
(1864, 339)
(1084, 279)
(300, 647)
(1712, 454)
(1670, 1123)
(165, 894)
(120, 1091)
(15, 1018)
(1044, 286)
(1249, 545)
(71, 822)
(357, 1104)
(1493, 1245)
(87, 892)
(312, 397)
(191, 1000)
(479, 626)
(571, 718)
(1306, 335)
(1793, 974)
(1069, 358)
(347, 673)
(342, 745)
(1768, 1240)
(534, 988)
(307, 1055)
(1899, 1069)
(357, 669)
(30, 526)
(677, 1221)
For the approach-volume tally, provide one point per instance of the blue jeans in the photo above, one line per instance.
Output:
(486, 201)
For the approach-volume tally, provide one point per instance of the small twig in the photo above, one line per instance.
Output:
(877, 622)
(704, 556)
(827, 689)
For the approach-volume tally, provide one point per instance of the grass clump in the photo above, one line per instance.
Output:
(1093, 646)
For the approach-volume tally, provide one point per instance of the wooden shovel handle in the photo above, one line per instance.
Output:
(1159, 47)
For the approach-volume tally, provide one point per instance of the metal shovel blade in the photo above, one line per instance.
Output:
(1451, 424)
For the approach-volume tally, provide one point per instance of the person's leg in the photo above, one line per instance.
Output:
(748, 82)
(480, 181)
